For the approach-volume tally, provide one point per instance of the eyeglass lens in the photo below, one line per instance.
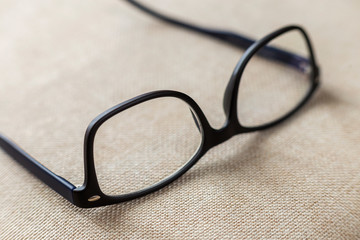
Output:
(269, 88)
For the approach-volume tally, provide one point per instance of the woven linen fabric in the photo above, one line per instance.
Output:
(64, 62)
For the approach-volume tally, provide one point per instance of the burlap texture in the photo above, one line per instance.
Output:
(64, 62)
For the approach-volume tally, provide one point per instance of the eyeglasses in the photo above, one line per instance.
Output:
(273, 79)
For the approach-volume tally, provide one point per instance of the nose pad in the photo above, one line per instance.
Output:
(227, 97)
(195, 120)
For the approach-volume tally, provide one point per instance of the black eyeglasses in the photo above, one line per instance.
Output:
(278, 76)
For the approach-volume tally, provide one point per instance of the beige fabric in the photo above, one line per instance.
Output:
(64, 62)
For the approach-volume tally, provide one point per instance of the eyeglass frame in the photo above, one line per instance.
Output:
(89, 195)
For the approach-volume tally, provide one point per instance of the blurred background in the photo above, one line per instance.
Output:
(64, 62)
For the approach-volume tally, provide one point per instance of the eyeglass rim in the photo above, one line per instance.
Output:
(232, 89)
(210, 136)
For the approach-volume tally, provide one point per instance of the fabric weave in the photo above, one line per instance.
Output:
(64, 62)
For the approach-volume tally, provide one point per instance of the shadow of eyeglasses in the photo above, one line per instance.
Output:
(224, 165)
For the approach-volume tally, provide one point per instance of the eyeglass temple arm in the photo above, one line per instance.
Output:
(57, 183)
(294, 60)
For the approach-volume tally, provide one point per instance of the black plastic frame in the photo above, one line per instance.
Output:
(90, 195)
